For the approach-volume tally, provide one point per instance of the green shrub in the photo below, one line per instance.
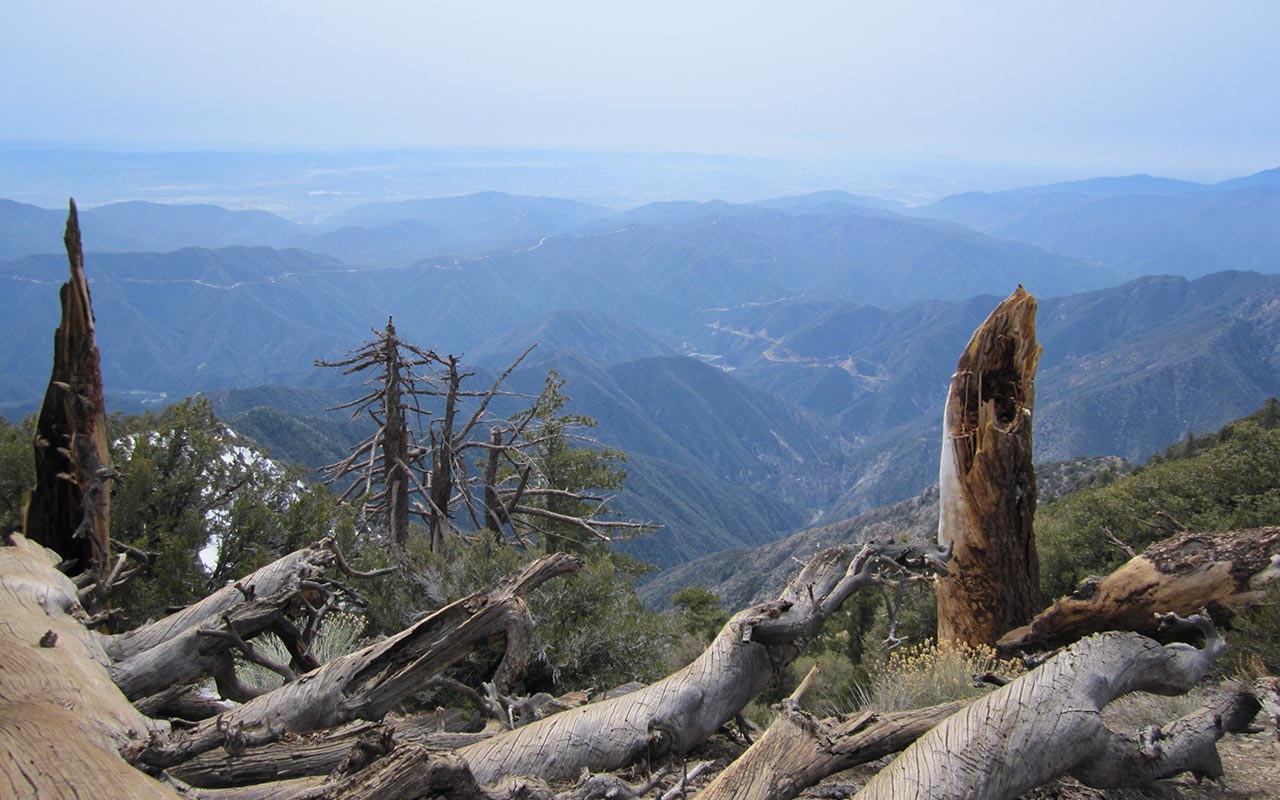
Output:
(590, 629)
(17, 471)
(1256, 635)
(1228, 482)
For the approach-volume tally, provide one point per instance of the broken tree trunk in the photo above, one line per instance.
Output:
(1049, 723)
(798, 750)
(370, 682)
(62, 720)
(987, 486)
(68, 510)
(685, 708)
(1186, 572)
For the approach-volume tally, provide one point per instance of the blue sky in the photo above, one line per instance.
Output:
(1172, 87)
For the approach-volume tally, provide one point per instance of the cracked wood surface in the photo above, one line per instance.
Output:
(305, 564)
(798, 750)
(1049, 723)
(62, 720)
(370, 682)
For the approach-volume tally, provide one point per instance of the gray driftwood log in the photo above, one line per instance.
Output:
(798, 749)
(1049, 723)
(370, 682)
(684, 709)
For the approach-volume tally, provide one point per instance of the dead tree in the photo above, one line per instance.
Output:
(68, 510)
(50, 662)
(396, 476)
(987, 488)
(450, 441)
(1180, 574)
(1049, 723)
(383, 463)
(682, 710)
(543, 478)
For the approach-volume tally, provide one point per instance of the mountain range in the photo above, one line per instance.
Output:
(1135, 225)
(767, 366)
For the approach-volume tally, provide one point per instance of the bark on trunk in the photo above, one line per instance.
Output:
(395, 444)
(370, 682)
(684, 709)
(69, 507)
(442, 457)
(62, 720)
(987, 487)
(1181, 574)
(1049, 723)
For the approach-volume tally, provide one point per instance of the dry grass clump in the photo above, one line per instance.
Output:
(931, 673)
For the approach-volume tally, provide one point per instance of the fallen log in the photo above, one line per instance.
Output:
(370, 682)
(1049, 723)
(306, 564)
(798, 750)
(315, 754)
(685, 708)
(986, 481)
(199, 652)
(1180, 574)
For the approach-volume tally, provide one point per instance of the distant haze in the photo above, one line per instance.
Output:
(1079, 88)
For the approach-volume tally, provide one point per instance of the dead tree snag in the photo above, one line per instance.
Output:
(986, 480)
(69, 508)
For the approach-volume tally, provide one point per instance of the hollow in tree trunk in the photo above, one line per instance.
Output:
(987, 486)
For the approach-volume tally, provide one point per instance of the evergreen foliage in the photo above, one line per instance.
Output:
(208, 504)
(590, 629)
(564, 467)
(17, 472)
(1225, 481)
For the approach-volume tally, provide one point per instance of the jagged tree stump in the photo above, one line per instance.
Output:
(987, 485)
(68, 510)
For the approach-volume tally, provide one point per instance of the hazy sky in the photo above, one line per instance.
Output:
(1186, 88)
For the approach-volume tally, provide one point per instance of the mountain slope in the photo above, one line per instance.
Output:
(1123, 370)
(591, 335)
